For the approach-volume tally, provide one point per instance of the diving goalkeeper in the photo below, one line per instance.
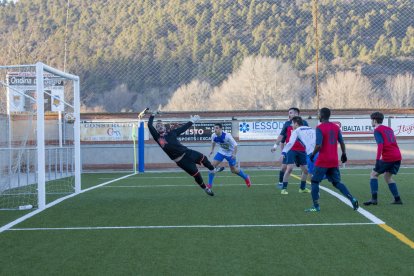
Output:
(185, 158)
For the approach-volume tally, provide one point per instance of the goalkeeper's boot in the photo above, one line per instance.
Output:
(284, 192)
(247, 180)
(313, 209)
(209, 191)
(355, 203)
(371, 202)
(306, 190)
(219, 169)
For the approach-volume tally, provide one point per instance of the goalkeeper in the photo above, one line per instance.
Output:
(185, 158)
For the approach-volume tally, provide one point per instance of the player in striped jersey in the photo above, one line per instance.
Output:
(227, 150)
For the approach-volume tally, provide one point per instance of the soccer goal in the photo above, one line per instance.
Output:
(39, 136)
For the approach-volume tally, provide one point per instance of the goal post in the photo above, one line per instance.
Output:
(40, 148)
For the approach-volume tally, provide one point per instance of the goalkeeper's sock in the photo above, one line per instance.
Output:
(242, 174)
(211, 176)
(285, 184)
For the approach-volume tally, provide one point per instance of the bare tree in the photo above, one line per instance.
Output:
(348, 90)
(401, 90)
(262, 83)
(194, 96)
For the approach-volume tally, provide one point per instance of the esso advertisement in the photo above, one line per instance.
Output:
(260, 130)
(402, 126)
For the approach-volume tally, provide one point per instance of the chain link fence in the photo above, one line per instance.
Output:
(220, 55)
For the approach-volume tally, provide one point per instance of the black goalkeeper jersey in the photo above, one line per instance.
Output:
(168, 141)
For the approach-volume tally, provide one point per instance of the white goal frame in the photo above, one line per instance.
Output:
(40, 69)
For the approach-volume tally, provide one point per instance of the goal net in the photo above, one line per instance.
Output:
(39, 136)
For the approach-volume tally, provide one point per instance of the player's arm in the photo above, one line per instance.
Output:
(281, 138)
(151, 127)
(380, 143)
(291, 142)
(233, 143)
(187, 125)
(213, 145)
(344, 158)
(319, 139)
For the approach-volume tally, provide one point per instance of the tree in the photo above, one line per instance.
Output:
(262, 83)
(400, 90)
(347, 90)
(194, 96)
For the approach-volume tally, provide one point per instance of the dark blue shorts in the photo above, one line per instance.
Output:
(332, 174)
(296, 157)
(391, 167)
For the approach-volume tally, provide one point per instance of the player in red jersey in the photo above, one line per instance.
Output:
(327, 137)
(388, 159)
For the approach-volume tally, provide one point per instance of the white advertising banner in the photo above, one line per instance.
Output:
(109, 131)
(402, 126)
(24, 83)
(260, 130)
(355, 127)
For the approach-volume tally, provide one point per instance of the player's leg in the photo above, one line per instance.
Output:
(334, 176)
(233, 168)
(290, 164)
(316, 179)
(189, 166)
(373, 183)
(301, 161)
(289, 169)
(218, 158)
(393, 168)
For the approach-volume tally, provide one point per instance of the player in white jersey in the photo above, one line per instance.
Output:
(227, 150)
(304, 134)
(307, 137)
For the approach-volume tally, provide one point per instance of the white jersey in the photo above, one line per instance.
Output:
(226, 143)
(305, 135)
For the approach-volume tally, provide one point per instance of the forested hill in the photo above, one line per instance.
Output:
(160, 45)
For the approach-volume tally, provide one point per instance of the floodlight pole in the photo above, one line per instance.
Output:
(315, 21)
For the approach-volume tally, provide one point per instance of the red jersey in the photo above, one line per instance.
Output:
(287, 132)
(327, 136)
(388, 149)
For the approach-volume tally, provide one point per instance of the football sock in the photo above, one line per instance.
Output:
(393, 189)
(207, 164)
(373, 183)
(281, 174)
(242, 174)
(199, 180)
(211, 178)
(285, 184)
(302, 185)
(315, 193)
(344, 190)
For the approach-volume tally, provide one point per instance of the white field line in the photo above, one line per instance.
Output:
(191, 226)
(53, 203)
(229, 176)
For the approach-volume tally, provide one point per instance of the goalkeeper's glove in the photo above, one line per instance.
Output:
(344, 158)
(194, 118)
